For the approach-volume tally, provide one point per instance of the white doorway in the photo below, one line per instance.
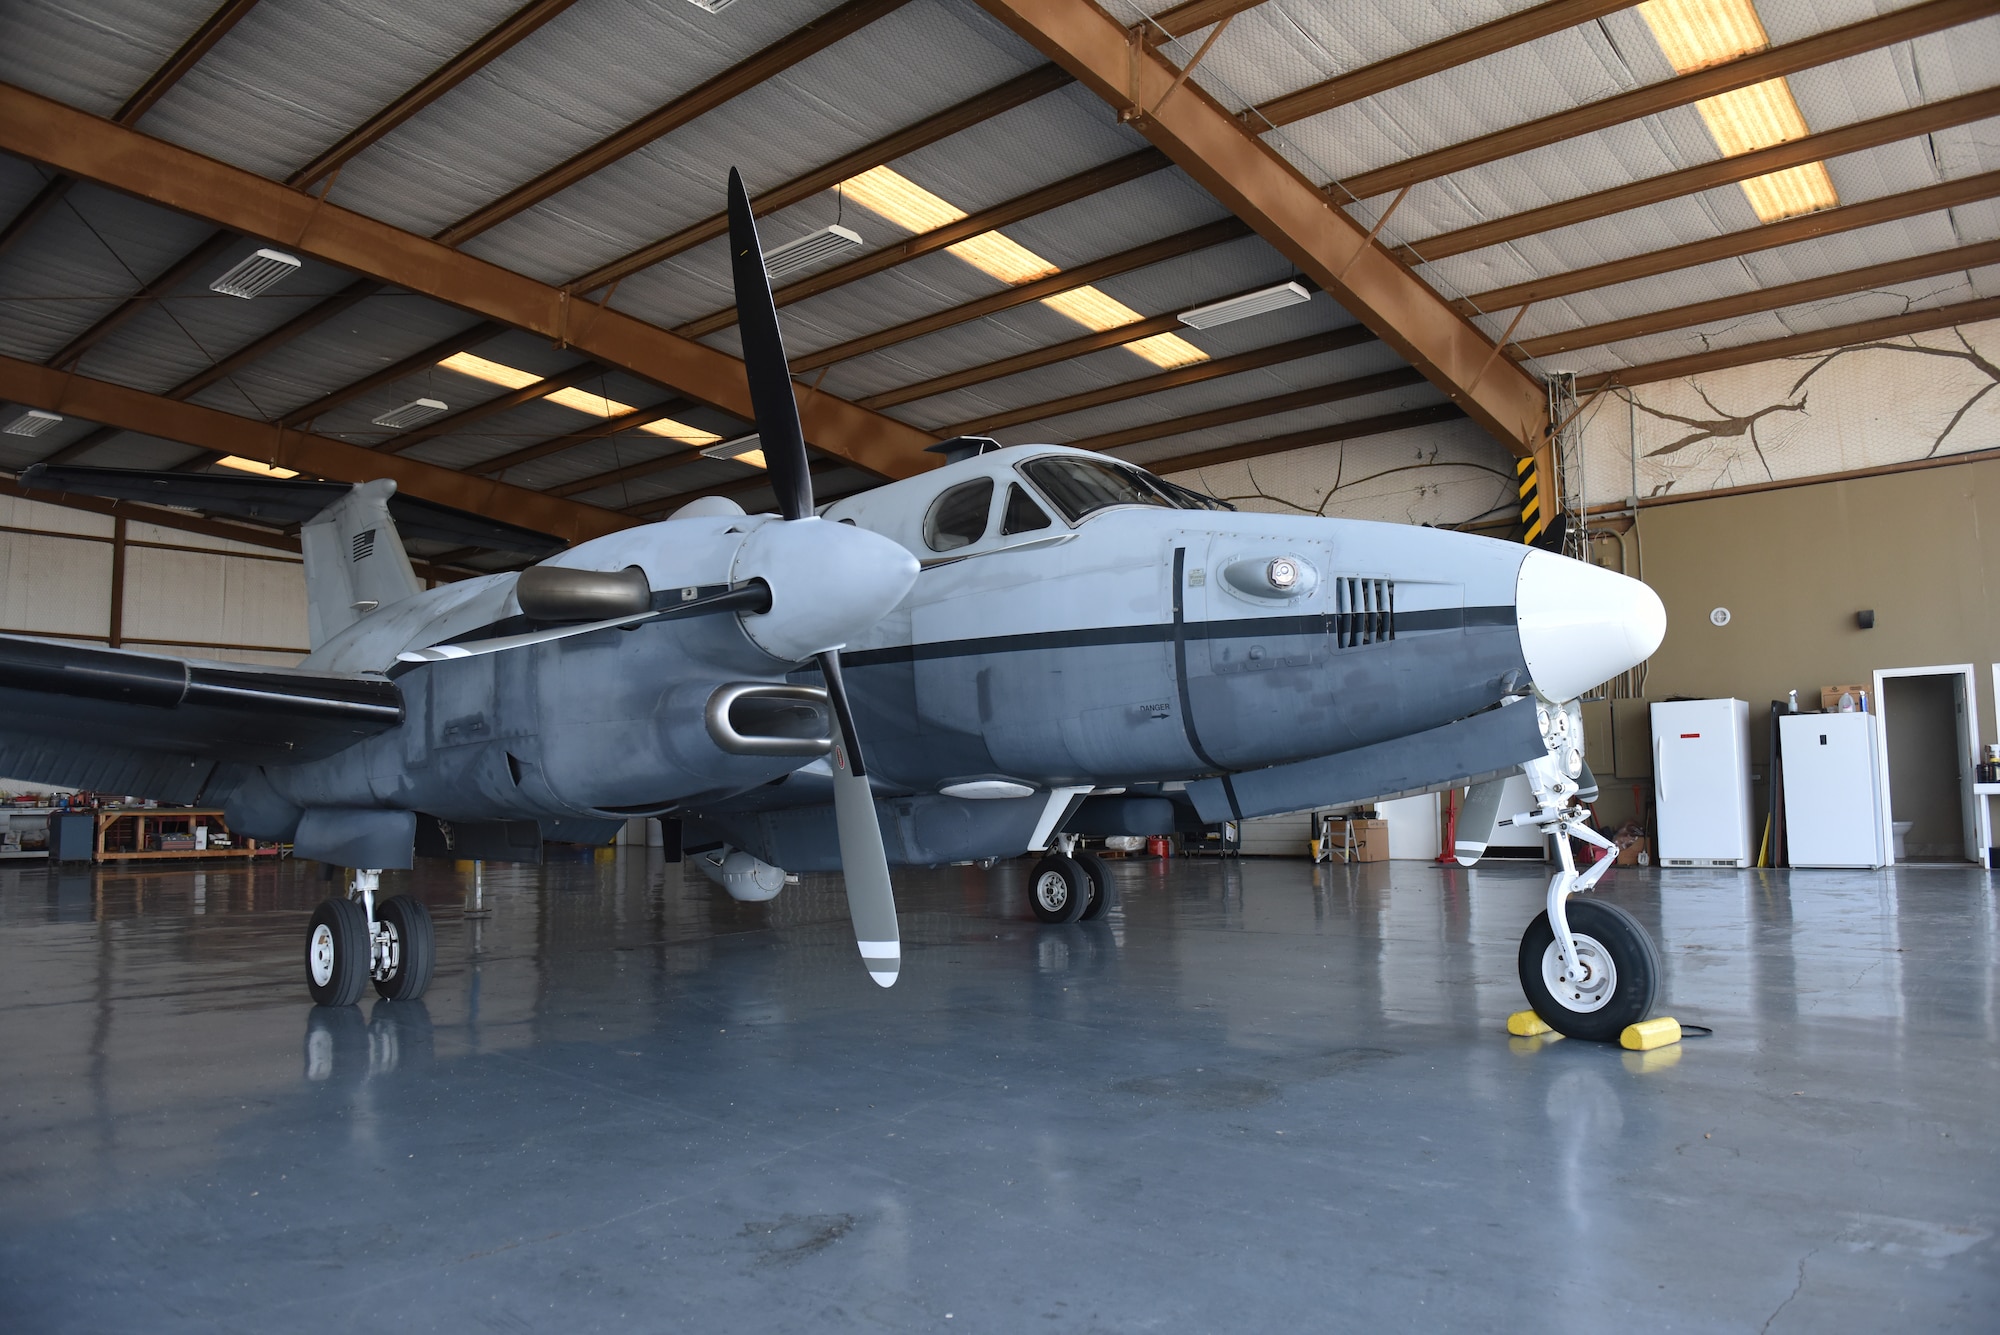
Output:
(1951, 739)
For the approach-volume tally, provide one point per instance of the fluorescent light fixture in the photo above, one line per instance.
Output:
(33, 422)
(1699, 34)
(411, 413)
(908, 205)
(744, 450)
(256, 274)
(712, 6)
(810, 249)
(252, 466)
(582, 400)
(1245, 306)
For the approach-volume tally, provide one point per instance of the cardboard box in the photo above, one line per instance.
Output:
(1629, 851)
(1371, 839)
(1829, 696)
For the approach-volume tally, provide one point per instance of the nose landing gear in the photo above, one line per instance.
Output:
(1588, 969)
(350, 941)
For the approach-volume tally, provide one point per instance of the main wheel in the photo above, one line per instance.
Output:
(1060, 889)
(1099, 877)
(412, 949)
(337, 953)
(1622, 964)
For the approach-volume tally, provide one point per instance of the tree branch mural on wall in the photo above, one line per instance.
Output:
(1864, 405)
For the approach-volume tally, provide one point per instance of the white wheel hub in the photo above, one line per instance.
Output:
(1052, 890)
(1596, 977)
(319, 955)
(388, 952)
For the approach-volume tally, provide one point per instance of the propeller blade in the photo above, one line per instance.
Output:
(752, 597)
(764, 358)
(871, 900)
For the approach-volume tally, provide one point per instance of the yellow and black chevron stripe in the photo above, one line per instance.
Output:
(1531, 498)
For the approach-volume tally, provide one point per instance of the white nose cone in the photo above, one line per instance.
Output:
(829, 583)
(1581, 624)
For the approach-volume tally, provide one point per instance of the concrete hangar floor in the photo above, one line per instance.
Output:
(1255, 1096)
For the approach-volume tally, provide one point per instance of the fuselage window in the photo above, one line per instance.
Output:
(1084, 486)
(1023, 515)
(958, 518)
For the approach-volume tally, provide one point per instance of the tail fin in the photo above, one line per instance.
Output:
(355, 560)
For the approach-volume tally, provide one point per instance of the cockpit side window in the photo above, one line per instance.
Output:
(1023, 515)
(1081, 487)
(958, 518)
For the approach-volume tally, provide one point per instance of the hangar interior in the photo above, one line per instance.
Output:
(1365, 301)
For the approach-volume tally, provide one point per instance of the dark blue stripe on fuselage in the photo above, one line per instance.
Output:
(1407, 623)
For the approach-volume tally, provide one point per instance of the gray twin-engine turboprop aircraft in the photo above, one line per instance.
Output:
(1038, 643)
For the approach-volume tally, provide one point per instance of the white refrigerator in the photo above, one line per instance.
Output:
(1701, 782)
(1833, 802)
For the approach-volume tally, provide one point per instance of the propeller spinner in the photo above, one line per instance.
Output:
(871, 901)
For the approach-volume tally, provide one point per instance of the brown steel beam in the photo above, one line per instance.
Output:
(464, 417)
(569, 440)
(410, 365)
(1400, 378)
(1067, 191)
(1446, 53)
(1692, 180)
(228, 366)
(186, 58)
(45, 199)
(137, 105)
(174, 275)
(1824, 48)
(1153, 252)
(225, 433)
(1827, 222)
(1910, 270)
(1312, 345)
(1819, 340)
(1291, 213)
(355, 292)
(736, 487)
(1298, 440)
(1026, 88)
(47, 131)
(1028, 361)
(773, 60)
(440, 81)
(665, 463)
(1195, 15)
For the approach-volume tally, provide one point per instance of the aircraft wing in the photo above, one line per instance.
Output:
(117, 721)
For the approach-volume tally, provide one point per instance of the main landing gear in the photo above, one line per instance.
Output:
(1069, 885)
(352, 940)
(1589, 969)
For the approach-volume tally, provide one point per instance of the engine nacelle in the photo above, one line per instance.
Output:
(746, 878)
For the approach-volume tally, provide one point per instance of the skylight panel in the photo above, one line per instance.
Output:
(908, 205)
(243, 465)
(1698, 34)
(573, 398)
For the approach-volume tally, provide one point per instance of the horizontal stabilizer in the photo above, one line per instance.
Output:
(285, 500)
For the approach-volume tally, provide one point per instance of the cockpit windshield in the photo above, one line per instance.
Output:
(1080, 487)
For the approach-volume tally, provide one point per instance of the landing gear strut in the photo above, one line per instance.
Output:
(1588, 969)
(350, 941)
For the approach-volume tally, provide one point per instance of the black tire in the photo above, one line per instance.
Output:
(413, 949)
(337, 953)
(1099, 877)
(1635, 964)
(1059, 889)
